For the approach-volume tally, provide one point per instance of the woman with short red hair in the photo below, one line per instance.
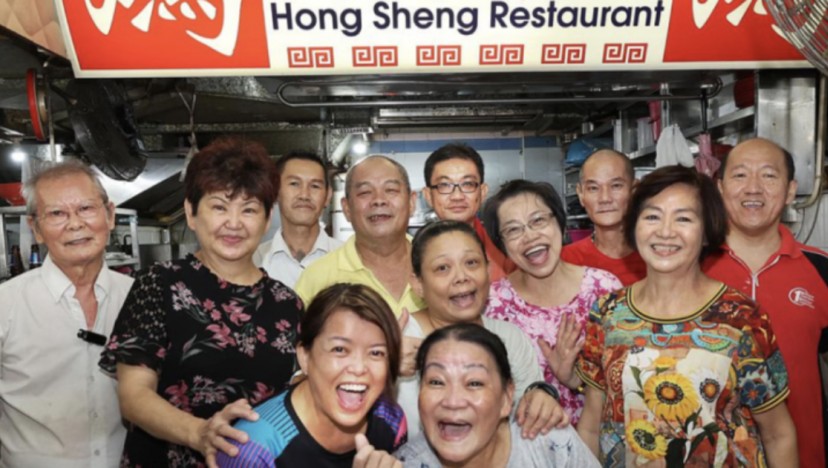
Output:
(202, 339)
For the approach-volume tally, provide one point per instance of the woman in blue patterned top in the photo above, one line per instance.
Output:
(349, 351)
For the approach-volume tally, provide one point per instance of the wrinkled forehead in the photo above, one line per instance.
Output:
(756, 156)
(605, 165)
(459, 355)
(376, 171)
(66, 190)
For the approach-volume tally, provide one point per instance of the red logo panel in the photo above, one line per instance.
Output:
(446, 55)
(625, 53)
(310, 57)
(697, 29)
(374, 56)
(160, 34)
(501, 54)
(563, 53)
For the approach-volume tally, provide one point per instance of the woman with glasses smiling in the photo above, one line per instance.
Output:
(546, 297)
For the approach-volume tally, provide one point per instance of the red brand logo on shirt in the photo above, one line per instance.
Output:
(167, 34)
(724, 30)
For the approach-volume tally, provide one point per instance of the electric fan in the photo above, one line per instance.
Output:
(805, 24)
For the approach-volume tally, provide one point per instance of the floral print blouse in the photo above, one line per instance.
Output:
(681, 392)
(542, 322)
(210, 342)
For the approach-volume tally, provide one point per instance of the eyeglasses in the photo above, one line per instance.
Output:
(516, 231)
(60, 216)
(446, 188)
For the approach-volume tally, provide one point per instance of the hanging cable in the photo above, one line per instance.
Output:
(192, 138)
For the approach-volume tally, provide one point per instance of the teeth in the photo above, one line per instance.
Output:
(462, 296)
(454, 430)
(665, 248)
(752, 204)
(535, 250)
(354, 387)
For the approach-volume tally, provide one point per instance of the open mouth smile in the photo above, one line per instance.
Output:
(351, 396)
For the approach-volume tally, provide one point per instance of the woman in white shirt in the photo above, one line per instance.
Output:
(450, 274)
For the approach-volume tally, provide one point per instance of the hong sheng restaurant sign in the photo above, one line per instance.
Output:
(130, 38)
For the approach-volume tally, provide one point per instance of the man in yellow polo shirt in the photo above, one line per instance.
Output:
(378, 202)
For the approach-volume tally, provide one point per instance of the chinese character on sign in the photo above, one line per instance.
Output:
(191, 12)
(725, 30)
(703, 10)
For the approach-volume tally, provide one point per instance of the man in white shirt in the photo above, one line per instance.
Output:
(56, 408)
(304, 191)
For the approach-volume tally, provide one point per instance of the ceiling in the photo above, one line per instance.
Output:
(297, 112)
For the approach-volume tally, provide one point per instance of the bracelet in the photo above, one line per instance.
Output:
(541, 385)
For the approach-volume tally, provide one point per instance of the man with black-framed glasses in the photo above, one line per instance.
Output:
(56, 408)
(455, 190)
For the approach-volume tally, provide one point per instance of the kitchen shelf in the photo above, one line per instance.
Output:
(724, 125)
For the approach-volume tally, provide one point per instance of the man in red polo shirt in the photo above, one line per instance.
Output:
(787, 278)
(455, 189)
(606, 180)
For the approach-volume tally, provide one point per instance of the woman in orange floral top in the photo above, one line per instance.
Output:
(680, 369)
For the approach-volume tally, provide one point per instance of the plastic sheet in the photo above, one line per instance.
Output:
(672, 148)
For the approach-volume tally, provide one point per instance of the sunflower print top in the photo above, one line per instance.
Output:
(681, 392)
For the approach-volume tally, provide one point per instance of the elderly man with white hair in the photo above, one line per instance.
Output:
(56, 408)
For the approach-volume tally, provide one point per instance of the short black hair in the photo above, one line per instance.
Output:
(452, 151)
(435, 229)
(545, 191)
(713, 212)
(628, 165)
(789, 161)
(469, 333)
(305, 156)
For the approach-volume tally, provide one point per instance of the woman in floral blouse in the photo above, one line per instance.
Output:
(546, 297)
(202, 339)
(681, 369)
